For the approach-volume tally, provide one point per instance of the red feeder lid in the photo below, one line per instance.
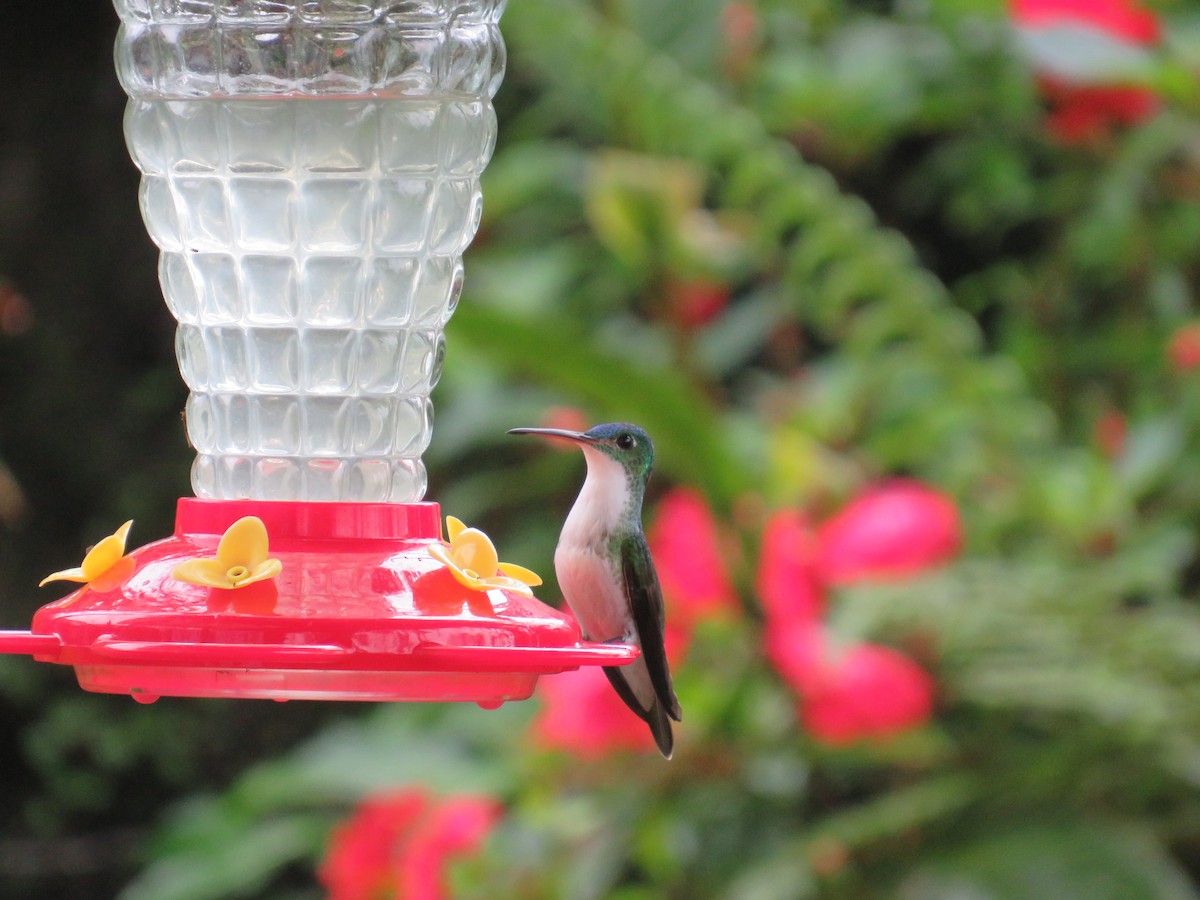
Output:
(360, 611)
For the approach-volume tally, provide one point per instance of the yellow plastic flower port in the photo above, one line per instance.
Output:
(471, 557)
(104, 565)
(241, 559)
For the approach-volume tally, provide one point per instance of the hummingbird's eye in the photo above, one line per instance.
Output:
(626, 441)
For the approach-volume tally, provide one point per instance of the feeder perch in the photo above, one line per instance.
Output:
(310, 174)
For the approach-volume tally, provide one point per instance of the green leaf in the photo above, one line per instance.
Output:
(1070, 861)
(237, 860)
(685, 426)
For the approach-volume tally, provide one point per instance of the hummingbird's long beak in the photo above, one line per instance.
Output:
(577, 436)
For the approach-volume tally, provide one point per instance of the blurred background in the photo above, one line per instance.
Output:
(906, 294)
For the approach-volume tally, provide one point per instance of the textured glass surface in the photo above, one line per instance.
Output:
(310, 173)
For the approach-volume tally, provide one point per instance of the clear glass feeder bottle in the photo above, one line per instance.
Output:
(310, 173)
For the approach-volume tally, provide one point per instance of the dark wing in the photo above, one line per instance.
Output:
(649, 617)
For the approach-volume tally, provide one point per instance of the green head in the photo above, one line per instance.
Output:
(622, 442)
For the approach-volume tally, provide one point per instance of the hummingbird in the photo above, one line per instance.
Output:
(606, 572)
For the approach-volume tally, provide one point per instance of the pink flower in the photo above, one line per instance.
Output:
(1090, 57)
(689, 558)
(796, 649)
(788, 582)
(895, 530)
(1183, 349)
(457, 826)
(1120, 18)
(398, 844)
(360, 862)
(864, 692)
(582, 714)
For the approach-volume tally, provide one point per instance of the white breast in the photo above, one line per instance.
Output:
(589, 584)
(594, 593)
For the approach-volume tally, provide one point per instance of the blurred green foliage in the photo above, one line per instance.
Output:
(805, 244)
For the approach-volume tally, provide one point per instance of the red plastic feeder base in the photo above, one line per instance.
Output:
(360, 611)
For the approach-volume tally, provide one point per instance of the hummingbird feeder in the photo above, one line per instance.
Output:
(310, 173)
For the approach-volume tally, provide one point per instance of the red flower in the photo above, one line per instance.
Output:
(398, 844)
(1120, 18)
(689, 558)
(694, 302)
(896, 530)
(1089, 55)
(1080, 114)
(1109, 433)
(455, 827)
(1183, 350)
(864, 692)
(740, 36)
(788, 584)
(581, 713)
(16, 313)
(361, 861)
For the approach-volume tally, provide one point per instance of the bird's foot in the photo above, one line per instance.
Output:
(629, 637)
